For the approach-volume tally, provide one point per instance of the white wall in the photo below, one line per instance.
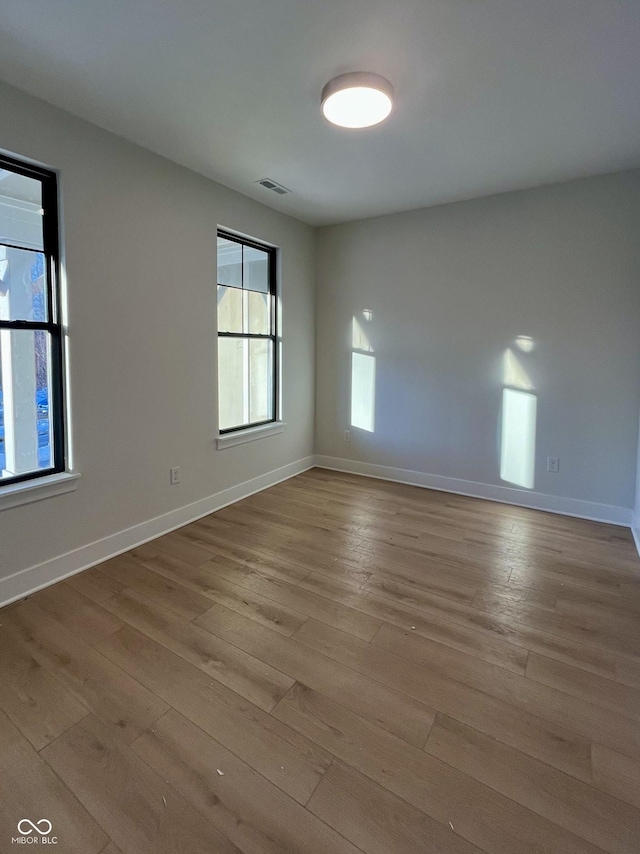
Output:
(449, 289)
(635, 521)
(140, 248)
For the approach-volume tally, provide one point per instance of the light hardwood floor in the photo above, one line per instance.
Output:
(335, 665)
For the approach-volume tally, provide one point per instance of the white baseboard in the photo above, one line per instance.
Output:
(635, 529)
(505, 495)
(34, 578)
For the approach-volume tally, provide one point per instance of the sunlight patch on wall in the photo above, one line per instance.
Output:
(525, 343)
(359, 338)
(514, 374)
(363, 391)
(518, 447)
(519, 414)
(363, 374)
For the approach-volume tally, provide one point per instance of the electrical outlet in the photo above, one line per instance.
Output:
(553, 464)
(174, 475)
(347, 435)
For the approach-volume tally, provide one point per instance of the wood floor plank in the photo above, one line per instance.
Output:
(589, 561)
(579, 626)
(436, 574)
(438, 579)
(433, 682)
(590, 533)
(340, 541)
(627, 672)
(335, 558)
(278, 617)
(496, 568)
(141, 813)
(481, 816)
(258, 682)
(79, 614)
(175, 597)
(94, 584)
(177, 545)
(93, 680)
(339, 562)
(491, 596)
(145, 551)
(533, 628)
(602, 616)
(397, 529)
(257, 568)
(274, 750)
(594, 689)
(585, 658)
(34, 700)
(289, 516)
(573, 596)
(256, 536)
(258, 817)
(436, 542)
(223, 540)
(350, 620)
(619, 775)
(377, 821)
(31, 790)
(581, 809)
(540, 591)
(480, 645)
(255, 526)
(497, 562)
(589, 722)
(597, 582)
(630, 589)
(460, 520)
(338, 574)
(404, 716)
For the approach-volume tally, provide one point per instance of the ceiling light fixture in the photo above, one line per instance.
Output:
(358, 99)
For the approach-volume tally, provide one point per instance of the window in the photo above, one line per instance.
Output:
(31, 408)
(247, 335)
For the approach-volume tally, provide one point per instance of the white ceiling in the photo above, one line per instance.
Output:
(492, 95)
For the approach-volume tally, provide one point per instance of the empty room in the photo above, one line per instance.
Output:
(319, 427)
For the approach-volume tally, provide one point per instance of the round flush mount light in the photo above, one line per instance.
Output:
(358, 99)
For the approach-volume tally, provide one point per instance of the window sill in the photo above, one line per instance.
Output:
(28, 491)
(229, 440)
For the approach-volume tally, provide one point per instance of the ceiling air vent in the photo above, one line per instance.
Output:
(272, 185)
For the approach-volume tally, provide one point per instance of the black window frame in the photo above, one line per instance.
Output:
(272, 254)
(53, 324)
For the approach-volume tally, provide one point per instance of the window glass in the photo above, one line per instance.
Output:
(229, 309)
(232, 384)
(258, 310)
(21, 211)
(24, 273)
(260, 379)
(256, 269)
(31, 410)
(26, 438)
(246, 333)
(229, 263)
